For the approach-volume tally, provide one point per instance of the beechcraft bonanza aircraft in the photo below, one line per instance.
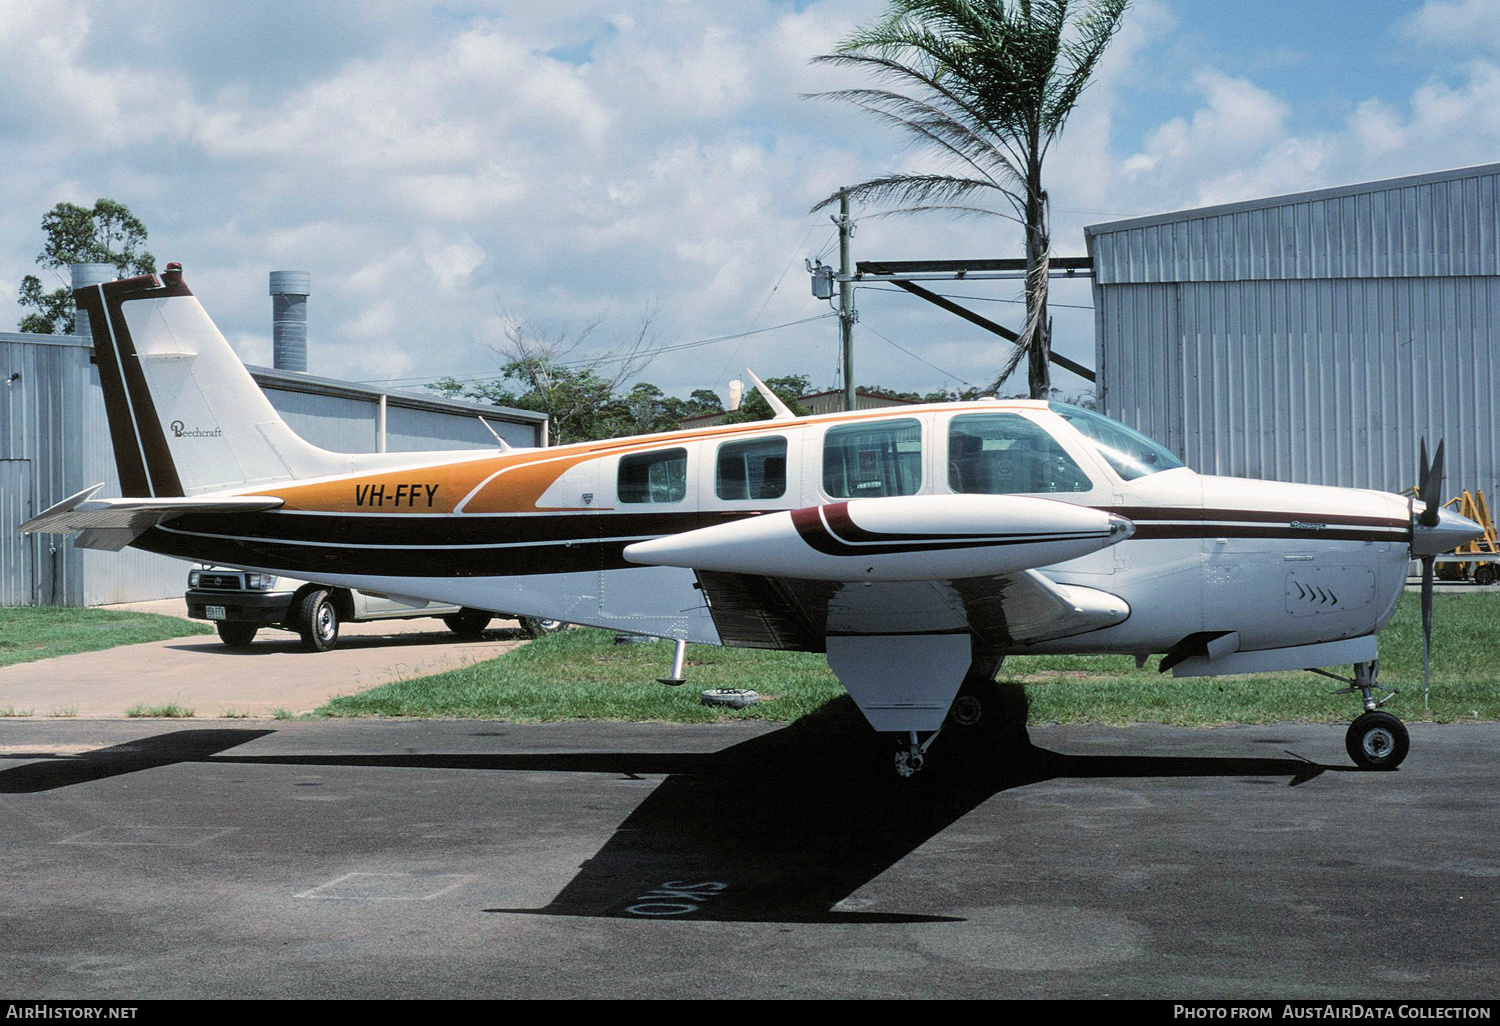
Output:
(917, 547)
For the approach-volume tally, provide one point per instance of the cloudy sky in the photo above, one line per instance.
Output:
(443, 170)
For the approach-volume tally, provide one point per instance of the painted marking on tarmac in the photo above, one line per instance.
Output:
(675, 898)
(149, 836)
(386, 887)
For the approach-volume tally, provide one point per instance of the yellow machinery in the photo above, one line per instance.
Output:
(1473, 506)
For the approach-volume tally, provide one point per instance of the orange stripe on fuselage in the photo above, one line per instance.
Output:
(516, 482)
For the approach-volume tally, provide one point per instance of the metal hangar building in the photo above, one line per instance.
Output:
(54, 441)
(1317, 337)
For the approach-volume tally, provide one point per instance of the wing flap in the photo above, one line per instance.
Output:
(1006, 612)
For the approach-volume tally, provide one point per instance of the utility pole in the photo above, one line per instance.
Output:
(846, 297)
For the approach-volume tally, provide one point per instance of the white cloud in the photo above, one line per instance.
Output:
(1237, 120)
(586, 158)
(1454, 24)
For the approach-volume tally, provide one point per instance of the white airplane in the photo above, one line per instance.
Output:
(918, 546)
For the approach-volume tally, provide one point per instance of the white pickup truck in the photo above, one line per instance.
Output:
(239, 603)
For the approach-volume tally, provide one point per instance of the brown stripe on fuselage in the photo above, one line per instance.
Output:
(141, 452)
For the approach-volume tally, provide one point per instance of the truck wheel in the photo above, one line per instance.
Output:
(317, 621)
(236, 635)
(468, 623)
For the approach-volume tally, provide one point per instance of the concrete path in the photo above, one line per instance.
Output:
(201, 674)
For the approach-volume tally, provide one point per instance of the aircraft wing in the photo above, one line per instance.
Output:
(908, 565)
(113, 523)
(1003, 611)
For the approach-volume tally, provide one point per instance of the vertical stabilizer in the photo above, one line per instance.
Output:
(185, 416)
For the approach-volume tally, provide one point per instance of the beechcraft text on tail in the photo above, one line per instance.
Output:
(917, 547)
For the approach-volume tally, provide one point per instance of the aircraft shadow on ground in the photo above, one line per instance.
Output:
(780, 828)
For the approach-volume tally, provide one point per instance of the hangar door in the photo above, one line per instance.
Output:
(16, 570)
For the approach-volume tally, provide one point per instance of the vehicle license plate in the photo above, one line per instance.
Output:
(215, 613)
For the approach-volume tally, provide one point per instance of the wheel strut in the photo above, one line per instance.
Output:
(913, 754)
(1376, 740)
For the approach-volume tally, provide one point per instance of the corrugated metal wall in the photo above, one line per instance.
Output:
(40, 407)
(1311, 338)
(54, 435)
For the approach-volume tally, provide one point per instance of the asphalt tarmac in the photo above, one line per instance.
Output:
(371, 859)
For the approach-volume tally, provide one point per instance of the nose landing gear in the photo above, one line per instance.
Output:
(1376, 740)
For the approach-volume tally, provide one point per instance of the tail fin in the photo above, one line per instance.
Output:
(184, 414)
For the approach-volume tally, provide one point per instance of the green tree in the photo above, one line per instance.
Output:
(107, 234)
(652, 410)
(987, 85)
(539, 371)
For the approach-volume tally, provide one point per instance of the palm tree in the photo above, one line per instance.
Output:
(987, 84)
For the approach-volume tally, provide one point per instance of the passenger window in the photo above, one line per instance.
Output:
(751, 470)
(872, 460)
(654, 476)
(1005, 453)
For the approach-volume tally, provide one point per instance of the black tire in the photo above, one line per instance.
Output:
(989, 707)
(317, 621)
(1486, 574)
(468, 623)
(536, 627)
(1377, 741)
(236, 635)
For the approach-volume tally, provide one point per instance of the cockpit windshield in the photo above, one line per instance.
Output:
(1129, 452)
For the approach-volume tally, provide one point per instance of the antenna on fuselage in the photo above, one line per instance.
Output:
(779, 407)
(504, 445)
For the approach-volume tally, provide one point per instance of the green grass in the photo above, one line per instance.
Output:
(29, 633)
(170, 711)
(581, 674)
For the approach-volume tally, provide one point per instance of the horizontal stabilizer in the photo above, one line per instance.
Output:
(81, 512)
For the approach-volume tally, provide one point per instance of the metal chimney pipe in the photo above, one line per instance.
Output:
(289, 292)
(84, 275)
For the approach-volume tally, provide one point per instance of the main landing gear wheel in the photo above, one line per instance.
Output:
(537, 627)
(317, 621)
(1377, 741)
(908, 763)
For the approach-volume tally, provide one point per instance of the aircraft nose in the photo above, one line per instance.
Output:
(1447, 534)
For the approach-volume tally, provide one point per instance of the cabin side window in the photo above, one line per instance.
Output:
(653, 476)
(1005, 453)
(751, 470)
(873, 460)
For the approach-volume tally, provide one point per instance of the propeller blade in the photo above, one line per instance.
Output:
(1432, 485)
(1428, 565)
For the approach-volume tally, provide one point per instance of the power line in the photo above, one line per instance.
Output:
(678, 347)
(914, 356)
